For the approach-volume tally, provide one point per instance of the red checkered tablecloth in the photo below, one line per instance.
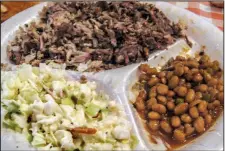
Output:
(205, 10)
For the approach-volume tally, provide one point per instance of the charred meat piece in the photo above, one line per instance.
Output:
(104, 55)
(15, 57)
(127, 54)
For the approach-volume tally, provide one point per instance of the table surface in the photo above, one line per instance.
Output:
(203, 9)
(14, 8)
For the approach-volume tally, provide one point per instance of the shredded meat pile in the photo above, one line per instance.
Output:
(102, 35)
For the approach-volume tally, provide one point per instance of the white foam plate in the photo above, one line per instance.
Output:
(201, 33)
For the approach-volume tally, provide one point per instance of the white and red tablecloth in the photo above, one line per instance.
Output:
(205, 10)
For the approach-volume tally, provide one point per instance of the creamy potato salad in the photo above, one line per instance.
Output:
(60, 114)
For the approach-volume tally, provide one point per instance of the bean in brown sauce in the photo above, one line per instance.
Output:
(181, 128)
(162, 74)
(186, 69)
(220, 97)
(194, 103)
(194, 71)
(170, 99)
(170, 93)
(188, 76)
(220, 82)
(163, 80)
(142, 94)
(154, 115)
(199, 125)
(220, 87)
(143, 68)
(193, 112)
(189, 129)
(212, 82)
(153, 81)
(198, 95)
(162, 99)
(180, 58)
(151, 102)
(179, 135)
(190, 95)
(162, 89)
(152, 71)
(202, 88)
(170, 105)
(192, 64)
(197, 78)
(143, 77)
(205, 112)
(173, 82)
(153, 125)
(202, 106)
(216, 103)
(179, 70)
(208, 119)
(152, 92)
(169, 75)
(166, 127)
(139, 104)
(204, 59)
(210, 106)
(207, 76)
(186, 118)
(159, 108)
(181, 108)
(175, 121)
(213, 93)
(181, 91)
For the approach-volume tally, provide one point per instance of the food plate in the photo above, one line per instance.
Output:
(200, 32)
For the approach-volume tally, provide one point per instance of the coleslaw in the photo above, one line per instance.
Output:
(59, 114)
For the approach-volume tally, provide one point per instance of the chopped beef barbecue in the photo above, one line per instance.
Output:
(102, 35)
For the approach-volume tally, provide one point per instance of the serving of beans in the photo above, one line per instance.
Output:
(183, 99)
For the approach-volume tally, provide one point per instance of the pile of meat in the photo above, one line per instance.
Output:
(101, 35)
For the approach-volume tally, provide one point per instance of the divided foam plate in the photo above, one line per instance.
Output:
(118, 81)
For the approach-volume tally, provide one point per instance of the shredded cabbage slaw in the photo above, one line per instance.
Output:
(56, 113)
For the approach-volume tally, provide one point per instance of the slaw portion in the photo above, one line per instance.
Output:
(60, 114)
